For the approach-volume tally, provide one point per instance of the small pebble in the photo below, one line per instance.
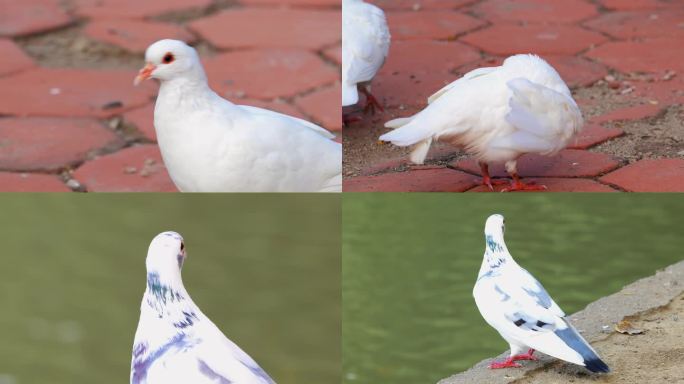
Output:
(130, 170)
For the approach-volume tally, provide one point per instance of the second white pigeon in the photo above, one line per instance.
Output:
(175, 342)
(514, 303)
(496, 114)
(365, 45)
(212, 145)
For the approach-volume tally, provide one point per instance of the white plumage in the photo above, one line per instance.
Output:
(365, 45)
(212, 145)
(175, 342)
(514, 303)
(497, 114)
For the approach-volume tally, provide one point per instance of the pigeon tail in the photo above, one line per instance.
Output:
(574, 340)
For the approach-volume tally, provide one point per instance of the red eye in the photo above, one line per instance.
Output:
(182, 246)
(168, 58)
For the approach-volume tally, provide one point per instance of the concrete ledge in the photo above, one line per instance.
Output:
(596, 323)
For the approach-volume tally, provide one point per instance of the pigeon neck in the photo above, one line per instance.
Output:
(190, 83)
(496, 253)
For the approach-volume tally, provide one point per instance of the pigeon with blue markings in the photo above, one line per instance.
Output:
(175, 342)
(514, 303)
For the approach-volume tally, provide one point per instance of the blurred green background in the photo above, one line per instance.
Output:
(264, 268)
(410, 262)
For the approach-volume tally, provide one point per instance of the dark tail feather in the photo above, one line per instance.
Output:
(575, 341)
(596, 365)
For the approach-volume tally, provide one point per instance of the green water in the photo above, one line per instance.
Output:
(265, 269)
(410, 261)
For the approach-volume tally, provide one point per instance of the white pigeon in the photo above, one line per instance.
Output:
(212, 145)
(175, 342)
(365, 45)
(497, 114)
(514, 303)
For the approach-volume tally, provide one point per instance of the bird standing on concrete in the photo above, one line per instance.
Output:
(365, 45)
(175, 342)
(497, 114)
(514, 303)
(212, 145)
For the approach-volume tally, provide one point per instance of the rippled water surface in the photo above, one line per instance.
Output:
(265, 269)
(410, 262)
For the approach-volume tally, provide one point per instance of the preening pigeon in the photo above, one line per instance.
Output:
(518, 307)
(497, 114)
(365, 44)
(212, 145)
(175, 342)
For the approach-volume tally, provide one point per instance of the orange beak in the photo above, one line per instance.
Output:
(144, 73)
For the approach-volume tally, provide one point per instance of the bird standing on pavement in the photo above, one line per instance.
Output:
(212, 145)
(365, 45)
(497, 114)
(514, 303)
(175, 342)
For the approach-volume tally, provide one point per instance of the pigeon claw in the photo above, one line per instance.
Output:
(490, 183)
(520, 186)
(508, 363)
(371, 103)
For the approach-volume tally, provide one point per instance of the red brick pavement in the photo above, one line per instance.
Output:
(89, 129)
(586, 41)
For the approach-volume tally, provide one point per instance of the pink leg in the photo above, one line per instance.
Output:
(371, 101)
(487, 180)
(508, 363)
(528, 356)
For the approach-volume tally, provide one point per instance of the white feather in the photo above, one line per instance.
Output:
(212, 145)
(498, 113)
(365, 45)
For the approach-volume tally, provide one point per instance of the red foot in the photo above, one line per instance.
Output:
(527, 356)
(518, 185)
(508, 363)
(490, 183)
(349, 119)
(371, 103)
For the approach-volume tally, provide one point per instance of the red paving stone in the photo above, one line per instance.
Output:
(143, 119)
(417, 69)
(302, 3)
(594, 134)
(416, 5)
(577, 71)
(429, 24)
(334, 54)
(539, 39)
(71, 92)
(246, 28)
(637, 112)
(663, 175)
(18, 18)
(27, 182)
(556, 185)
(623, 5)
(323, 107)
(135, 169)
(650, 23)
(535, 11)
(48, 144)
(425, 180)
(135, 35)
(567, 163)
(135, 9)
(267, 74)
(13, 58)
(629, 56)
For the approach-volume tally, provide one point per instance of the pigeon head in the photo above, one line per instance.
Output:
(171, 59)
(166, 255)
(495, 226)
